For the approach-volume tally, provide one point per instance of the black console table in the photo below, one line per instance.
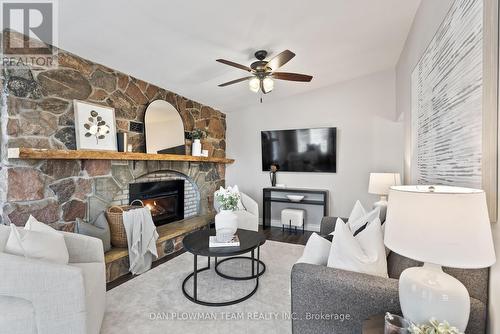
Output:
(267, 199)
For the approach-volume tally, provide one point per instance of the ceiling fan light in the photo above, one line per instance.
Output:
(267, 84)
(254, 84)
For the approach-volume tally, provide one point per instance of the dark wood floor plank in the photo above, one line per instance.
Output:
(289, 236)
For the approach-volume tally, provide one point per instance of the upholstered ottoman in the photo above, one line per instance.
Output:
(293, 217)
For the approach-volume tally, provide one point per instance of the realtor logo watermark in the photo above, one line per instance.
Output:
(256, 316)
(29, 33)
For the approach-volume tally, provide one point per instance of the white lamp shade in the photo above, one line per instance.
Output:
(381, 182)
(449, 226)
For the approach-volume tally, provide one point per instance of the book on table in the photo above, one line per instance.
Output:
(234, 242)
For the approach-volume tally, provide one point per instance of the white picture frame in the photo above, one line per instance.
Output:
(90, 131)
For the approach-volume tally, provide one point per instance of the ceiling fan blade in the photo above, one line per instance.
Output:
(230, 63)
(292, 76)
(280, 60)
(235, 81)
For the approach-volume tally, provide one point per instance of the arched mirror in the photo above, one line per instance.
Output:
(164, 129)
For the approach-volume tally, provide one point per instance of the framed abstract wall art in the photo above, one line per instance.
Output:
(453, 122)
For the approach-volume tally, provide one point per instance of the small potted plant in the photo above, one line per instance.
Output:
(226, 222)
(196, 135)
(434, 327)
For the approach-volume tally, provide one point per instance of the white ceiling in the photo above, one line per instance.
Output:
(174, 43)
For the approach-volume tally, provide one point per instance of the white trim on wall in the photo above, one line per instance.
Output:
(490, 105)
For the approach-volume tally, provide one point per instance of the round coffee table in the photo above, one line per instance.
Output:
(197, 244)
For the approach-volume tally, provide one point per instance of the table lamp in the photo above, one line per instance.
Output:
(440, 226)
(379, 185)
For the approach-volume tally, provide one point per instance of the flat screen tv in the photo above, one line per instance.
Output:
(300, 150)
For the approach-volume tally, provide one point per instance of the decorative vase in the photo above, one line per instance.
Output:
(122, 141)
(226, 224)
(196, 148)
(273, 179)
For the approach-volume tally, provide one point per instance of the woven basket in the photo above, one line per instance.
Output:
(115, 221)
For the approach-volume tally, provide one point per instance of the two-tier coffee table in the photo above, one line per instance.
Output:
(197, 244)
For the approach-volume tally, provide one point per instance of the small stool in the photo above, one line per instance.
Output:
(292, 217)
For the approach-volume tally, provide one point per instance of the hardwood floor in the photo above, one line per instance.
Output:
(271, 233)
(277, 234)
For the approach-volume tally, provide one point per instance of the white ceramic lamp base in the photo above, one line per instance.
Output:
(428, 292)
(382, 204)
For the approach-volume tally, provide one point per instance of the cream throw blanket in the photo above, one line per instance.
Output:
(141, 238)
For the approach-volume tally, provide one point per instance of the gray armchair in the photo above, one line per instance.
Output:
(248, 219)
(328, 300)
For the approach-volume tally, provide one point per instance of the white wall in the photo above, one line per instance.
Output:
(494, 292)
(427, 20)
(368, 138)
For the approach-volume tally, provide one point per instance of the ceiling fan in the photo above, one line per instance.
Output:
(263, 72)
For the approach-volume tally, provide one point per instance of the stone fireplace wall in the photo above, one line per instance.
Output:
(162, 171)
(37, 112)
(111, 180)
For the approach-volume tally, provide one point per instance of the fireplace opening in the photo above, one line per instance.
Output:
(165, 199)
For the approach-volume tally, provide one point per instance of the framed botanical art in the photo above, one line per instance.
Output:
(95, 126)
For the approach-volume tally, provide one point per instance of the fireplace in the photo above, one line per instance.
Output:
(164, 198)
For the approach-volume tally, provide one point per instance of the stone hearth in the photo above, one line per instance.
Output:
(169, 242)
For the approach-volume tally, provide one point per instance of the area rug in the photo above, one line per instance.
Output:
(154, 302)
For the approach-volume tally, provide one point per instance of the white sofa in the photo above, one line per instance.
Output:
(247, 219)
(47, 298)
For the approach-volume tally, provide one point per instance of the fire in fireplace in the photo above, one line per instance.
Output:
(165, 199)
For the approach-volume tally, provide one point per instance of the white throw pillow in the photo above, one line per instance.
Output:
(359, 217)
(4, 236)
(358, 225)
(316, 251)
(364, 253)
(34, 225)
(240, 203)
(357, 212)
(37, 241)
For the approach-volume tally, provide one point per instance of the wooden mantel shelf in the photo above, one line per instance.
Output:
(46, 154)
